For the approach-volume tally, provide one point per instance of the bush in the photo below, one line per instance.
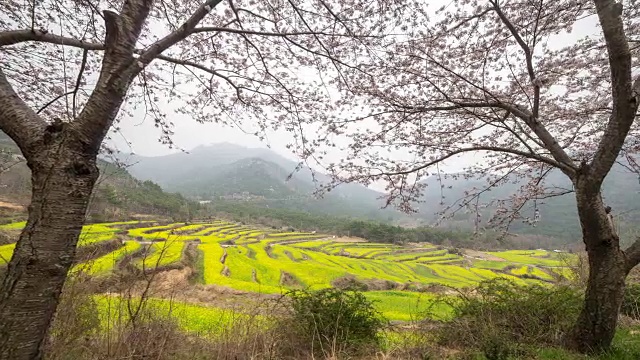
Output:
(334, 321)
(499, 315)
(75, 321)
(631, 302)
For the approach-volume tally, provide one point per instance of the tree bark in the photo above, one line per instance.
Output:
(596, 325)
(597, 322)
(63, 177)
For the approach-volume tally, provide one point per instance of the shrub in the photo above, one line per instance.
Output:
(75, 321)
(334, 321)
(631, 302)
(499, 315)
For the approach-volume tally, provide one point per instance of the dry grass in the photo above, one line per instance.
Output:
(138, 331)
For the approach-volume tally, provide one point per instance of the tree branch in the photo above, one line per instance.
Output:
(14, 37)
(478, 148)
(267, 33)
(83, 64)
(18, 120)
(633, 254)
(528, 57)
(18, 36)
(561, 158)
(43, 107)
(181, 33)
(116, 73)
(625, 95)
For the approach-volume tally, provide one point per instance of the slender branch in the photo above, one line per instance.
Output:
(267, 33)
(14, 37)
(43, 107)
(83, 64)
(562, 159)
(477, 148)
(527, 54)
(548, 140)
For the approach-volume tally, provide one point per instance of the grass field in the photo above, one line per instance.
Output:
(258, 260)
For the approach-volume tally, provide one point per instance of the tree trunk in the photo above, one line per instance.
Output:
(62, 180)
(596, 324)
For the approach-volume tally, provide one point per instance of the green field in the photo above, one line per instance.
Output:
(398, 278)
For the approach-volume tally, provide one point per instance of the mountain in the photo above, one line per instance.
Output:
(260, 178)
(116, 196)
(558, 215)
(229, 171)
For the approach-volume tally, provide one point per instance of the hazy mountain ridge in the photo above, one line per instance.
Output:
(224, 170)
(258, 176)
(558, 215)
(250, 175)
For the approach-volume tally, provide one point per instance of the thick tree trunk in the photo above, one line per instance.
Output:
(596, 324)
(62, 181)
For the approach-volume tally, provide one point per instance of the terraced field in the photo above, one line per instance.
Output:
(251, 259)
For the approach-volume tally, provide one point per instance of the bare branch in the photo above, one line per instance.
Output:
(83, 64)
(43, 107)
(562, 159)
(269, 34)
(18, 36)
(528, 57)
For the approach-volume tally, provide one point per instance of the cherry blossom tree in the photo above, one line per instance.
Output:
(71, 69)
(502, 80)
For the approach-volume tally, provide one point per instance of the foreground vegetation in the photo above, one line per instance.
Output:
(506, 321)
(309, 295)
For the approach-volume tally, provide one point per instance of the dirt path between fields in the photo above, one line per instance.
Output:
(482, 255)
(12, 206)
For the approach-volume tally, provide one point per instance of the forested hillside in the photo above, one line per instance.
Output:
(117, 195)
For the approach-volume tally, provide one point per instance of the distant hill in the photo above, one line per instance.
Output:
(117, 194)
(558, 215)
(233, 172)
(250, 176)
